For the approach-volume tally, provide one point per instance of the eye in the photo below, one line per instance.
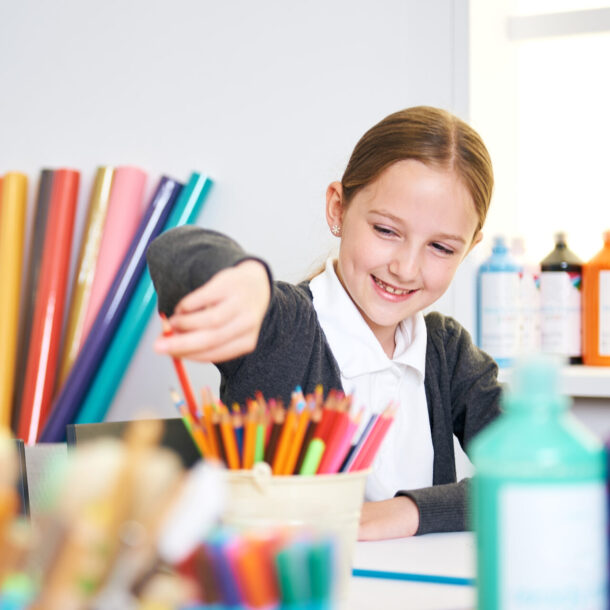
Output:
(385, 231)
(442, 249)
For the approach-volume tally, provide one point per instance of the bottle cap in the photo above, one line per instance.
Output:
(535, 385)
(499, 244)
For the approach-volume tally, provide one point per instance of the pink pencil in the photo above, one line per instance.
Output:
(342, 447)
(334, 438)
(365, 457)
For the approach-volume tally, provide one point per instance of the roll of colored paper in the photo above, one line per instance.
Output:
(43, 350)
(107, 321)
(125, 341)
(13, 206)
(85, 270)
(122, 217)
(30, 290)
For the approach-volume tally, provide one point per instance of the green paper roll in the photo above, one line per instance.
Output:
(125, 341)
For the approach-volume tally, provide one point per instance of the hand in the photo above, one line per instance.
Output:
(220, 320)
(394, 518)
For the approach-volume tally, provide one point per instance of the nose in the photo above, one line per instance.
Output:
(405, 264)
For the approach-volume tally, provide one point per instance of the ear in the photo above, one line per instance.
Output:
(334, 204)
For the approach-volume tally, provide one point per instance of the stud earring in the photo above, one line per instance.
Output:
(335, 230)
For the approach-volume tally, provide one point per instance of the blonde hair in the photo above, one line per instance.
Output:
(430, 135)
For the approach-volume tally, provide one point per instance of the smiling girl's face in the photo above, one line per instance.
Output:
(402, 239)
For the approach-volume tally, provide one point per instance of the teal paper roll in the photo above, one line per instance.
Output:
(125, 341)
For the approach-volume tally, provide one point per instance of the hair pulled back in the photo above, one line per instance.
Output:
(430, 135)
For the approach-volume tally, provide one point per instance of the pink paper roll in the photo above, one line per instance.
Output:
(122, 218)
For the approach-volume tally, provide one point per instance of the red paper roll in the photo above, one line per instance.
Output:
(43, 350)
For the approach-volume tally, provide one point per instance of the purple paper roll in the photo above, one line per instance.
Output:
(109, 316)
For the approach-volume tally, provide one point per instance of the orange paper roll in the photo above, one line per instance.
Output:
(85, 269)
(13, 204)
(46, 325)
(123, 215)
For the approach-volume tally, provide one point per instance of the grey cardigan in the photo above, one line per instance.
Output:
(461, 384)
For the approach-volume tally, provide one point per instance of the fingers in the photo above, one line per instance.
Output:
(234, 336)
(220, 320)
(248, 279)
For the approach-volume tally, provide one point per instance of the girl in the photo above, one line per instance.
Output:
(409, 208)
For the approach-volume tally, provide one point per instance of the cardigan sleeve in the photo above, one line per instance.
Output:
(184, 258)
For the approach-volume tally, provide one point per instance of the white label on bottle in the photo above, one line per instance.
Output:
(553, 547)
(500, 313)
(604, 313)
(560, 302)
(530, 312)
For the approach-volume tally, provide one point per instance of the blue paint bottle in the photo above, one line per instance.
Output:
(498, 304)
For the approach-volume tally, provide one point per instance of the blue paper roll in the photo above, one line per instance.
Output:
(125, 341)
(123, 286)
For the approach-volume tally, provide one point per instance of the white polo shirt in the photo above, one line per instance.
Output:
(405, 458)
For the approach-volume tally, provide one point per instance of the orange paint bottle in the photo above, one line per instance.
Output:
(596, 307)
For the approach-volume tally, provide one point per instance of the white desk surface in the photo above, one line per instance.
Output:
(444, 556)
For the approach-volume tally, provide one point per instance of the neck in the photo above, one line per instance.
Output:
(388, 343)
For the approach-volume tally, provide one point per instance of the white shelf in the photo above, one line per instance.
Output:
(577, 380)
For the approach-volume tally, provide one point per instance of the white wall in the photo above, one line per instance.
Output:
(266, 97)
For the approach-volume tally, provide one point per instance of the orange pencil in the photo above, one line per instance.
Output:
(297, 441)
(209, 428)
(228, 439)
(315, 416)
(249, 436)
(288, 430)
(187, 389)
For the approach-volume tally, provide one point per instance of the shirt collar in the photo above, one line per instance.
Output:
(352, 342)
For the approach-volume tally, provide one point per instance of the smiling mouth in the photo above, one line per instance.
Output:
(391, 289)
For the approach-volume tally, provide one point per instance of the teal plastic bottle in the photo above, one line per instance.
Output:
(538, 501)
(498, 304)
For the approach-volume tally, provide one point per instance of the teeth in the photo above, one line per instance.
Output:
(390, 289)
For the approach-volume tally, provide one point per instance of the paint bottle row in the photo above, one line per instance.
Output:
(560, 306)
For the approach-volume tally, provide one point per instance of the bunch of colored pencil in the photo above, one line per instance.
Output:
(310, 436)
(264, 570)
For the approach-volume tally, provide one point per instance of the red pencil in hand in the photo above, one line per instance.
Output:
(187, 389)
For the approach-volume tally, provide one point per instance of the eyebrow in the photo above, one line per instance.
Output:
(396, 219)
